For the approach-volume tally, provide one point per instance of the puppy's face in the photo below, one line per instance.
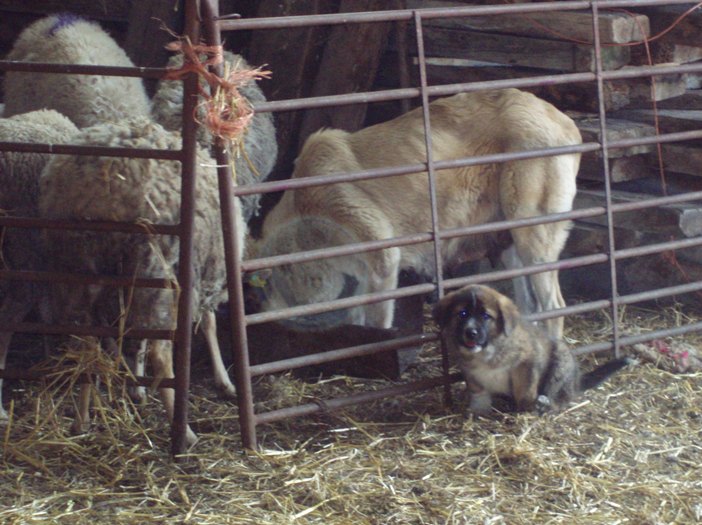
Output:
(472, 317)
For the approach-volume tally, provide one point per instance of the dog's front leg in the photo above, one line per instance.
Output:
(480, 402)
(525, 384)
(480, 398)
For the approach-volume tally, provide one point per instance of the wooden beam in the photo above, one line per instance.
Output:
(617, 129)
(682, 158)
(567, 25)
(687, 31)
(293, 55)
(581, 96)
(518, 50)
(349, 64)
(114, 10)
(620, 169)
(670, 120)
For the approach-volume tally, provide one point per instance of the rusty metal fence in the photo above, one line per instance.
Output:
(204, 17)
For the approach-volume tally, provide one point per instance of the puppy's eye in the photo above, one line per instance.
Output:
(463, 314)
(486, 316)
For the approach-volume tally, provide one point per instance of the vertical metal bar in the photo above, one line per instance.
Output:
(187, 222)
(432, 188)
(240, 353)
(402, 57)
(607, 178)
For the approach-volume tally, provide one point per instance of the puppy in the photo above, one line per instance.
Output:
(499, 353)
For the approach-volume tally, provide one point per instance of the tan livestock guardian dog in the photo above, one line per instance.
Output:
(464, 125)
(499, 353)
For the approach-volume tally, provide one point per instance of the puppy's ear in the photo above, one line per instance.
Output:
(509, 314)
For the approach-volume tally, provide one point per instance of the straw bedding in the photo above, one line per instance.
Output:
(628, 452)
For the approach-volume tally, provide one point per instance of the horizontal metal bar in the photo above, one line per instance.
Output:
(32, 375)
(98, 226)
(628, 340)
(649, 249)
(338, 304)
(82, 69)
(344, 353)
(653, 202)
(102, 151)
(368, 97)
(417, 238)
(398, 15)
(362, 397)
(392, 171)
(97, 331)
(87, 279)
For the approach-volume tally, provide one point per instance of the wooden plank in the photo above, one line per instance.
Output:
(687, 31)
(620, 168)
(293, 55)
(114, 10)
(146, 39)
(663, 51)
(519, 51)
(682, 159)
(644, 90)
(634, 275)
(670, 120)
(581, 96)
(567, 25)
(617, 129)
(692, 99)
(349, 64)
(664, 220)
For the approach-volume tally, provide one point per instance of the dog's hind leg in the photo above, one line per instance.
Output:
(532, 247)
(523, 292)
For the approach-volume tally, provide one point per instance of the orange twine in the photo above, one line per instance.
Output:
(227, 113)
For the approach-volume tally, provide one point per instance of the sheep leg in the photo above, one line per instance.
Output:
(4, 346)
(137, 392)
(11, 311)
(81, 422)
(222, 381)
(161, 357)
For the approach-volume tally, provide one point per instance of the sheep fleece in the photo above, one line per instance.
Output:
(145, 190)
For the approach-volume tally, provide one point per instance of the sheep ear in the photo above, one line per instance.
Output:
(259, 278)
(509, 314)
(350, 286)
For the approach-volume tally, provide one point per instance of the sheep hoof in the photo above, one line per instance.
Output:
(79, 427)
(190, 437)
(137, 394)
(227, 391)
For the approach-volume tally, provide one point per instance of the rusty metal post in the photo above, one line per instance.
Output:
(240, 352)
(182, 349)
(607, 178)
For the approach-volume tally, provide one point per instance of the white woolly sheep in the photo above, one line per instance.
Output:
(260, 146)
(85, 99)
(464, 125)
(19, 196)
(145, 190)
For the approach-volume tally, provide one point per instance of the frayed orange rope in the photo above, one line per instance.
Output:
(227, 113)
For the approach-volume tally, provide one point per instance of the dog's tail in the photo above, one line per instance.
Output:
(599, 374)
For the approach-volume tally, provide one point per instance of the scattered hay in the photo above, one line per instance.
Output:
(627, 452)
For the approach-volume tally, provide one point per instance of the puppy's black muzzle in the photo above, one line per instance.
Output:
(472, 334)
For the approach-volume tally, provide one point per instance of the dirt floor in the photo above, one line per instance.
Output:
(627, 452)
